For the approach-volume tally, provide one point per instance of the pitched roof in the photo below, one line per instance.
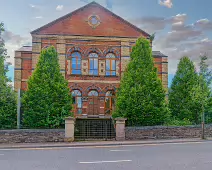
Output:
(25, 48)
(158, 54)
(92, 3)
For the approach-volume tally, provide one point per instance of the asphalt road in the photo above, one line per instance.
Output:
(188, 156)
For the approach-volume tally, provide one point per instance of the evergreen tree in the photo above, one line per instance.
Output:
(206, 81)
(48, 99)
(204, 70)
(141, 97)
(7, 95)
(185, 93)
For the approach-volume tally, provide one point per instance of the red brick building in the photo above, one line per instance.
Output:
(94, 48)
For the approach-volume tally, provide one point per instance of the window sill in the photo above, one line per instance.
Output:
(80, 75)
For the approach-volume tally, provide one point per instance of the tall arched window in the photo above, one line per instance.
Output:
(76, 63)
(110, 64)
(77, 100)
(93, 64)
(109, 102)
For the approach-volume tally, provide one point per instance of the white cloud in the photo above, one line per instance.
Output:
(166, 3)
(203, 24)
(39, 17)
(59, 7)
(36, 7)
(14, 42)
(32, 6)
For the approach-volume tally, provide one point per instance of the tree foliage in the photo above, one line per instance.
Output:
(48, 100)
(185, 95)
(206, 81)
(7, 95)
(141, 97)
(204, 70)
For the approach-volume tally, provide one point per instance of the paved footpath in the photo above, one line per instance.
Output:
(175, 155)
(98, 143)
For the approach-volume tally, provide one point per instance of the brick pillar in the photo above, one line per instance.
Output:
(61, 49)
(69, 129)
(125, 56)
(120, 129)
(17, 71)
(165, 73)
(36, 49)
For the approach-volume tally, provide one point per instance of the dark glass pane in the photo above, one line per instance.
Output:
(76, 71)
(79, 102)
(76, 55)
(107, 73)
(93, 93)
(74, 101)
(91, 62)
(74, 63)
(79, 111)
(94, 20)
(91, 72)
(95, 63)
(113, 65)
(113, 73)
(108, 65)
(95, 72)
(76, 93)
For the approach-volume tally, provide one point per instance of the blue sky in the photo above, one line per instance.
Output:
(183, 27)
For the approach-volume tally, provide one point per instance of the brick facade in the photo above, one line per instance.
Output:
(113, 35)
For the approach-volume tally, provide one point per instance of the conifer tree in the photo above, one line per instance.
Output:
(185, 93)
(141, 97)
(48, 99)
(7, 95)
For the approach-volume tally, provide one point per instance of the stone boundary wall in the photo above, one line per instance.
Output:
(32, 136)
(166, 132)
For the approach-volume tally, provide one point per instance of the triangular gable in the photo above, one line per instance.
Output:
(76, 23)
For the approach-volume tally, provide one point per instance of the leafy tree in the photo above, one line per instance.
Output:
(141, 97)
(206, 81)
(204, 69)
(48, 99)
(7, 95)
(185, 92)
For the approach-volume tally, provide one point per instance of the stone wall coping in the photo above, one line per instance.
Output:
(120, 119)
(166, 127)
(70, 118)
(31, 130)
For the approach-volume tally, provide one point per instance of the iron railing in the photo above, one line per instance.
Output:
(86, 129)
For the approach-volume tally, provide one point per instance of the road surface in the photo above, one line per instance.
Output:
(185, 156)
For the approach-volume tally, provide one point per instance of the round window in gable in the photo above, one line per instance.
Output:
(93, 21)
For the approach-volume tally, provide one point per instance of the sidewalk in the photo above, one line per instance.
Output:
(97, 143)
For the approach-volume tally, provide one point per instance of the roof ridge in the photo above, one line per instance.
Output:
(85, 6)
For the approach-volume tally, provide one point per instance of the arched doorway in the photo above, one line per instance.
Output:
(109, 102)
(93, 102)
(77, 101)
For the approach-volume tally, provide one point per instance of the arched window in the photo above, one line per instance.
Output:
(77, 100)
(76, 63)
(109, 102)
(93, 93)
(93, 64)
(110, 64)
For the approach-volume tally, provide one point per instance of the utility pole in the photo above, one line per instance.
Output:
(203, 123)
(19, 110)
(203, 109)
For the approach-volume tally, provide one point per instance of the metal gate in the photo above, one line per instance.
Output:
(87, 129)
